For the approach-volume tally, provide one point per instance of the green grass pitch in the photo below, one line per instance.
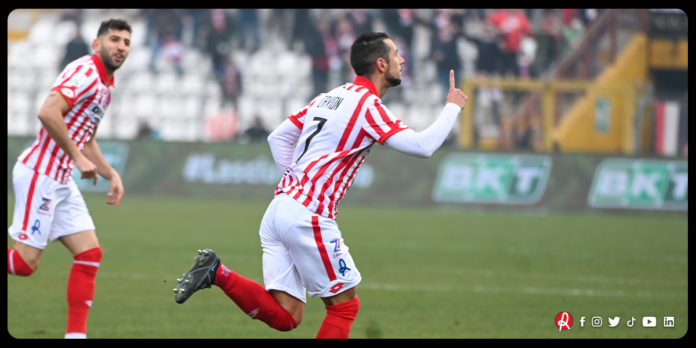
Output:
(427, 273)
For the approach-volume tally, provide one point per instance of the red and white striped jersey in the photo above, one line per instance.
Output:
(338, 130)
(84, 85)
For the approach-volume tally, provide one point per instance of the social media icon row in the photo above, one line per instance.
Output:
(564, 321)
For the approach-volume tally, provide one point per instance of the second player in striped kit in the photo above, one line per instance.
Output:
(48, 204)
(319, 150)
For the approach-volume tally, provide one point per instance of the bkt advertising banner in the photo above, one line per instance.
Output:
(453, 178)
(640, 184)
(483, 178)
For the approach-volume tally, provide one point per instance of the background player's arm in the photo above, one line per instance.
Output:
(94, 154)
(282, 142)
(51, 116)
(424, 143)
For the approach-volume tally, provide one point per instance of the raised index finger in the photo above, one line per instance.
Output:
(451, 79)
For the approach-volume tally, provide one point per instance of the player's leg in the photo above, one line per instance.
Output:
(22, 259)
(279, 311)
(73, 226)
(31, 222)
(324, 265)
(341, 310)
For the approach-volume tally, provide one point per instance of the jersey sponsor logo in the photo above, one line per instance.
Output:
(330, 102)
(95, 113)
(640, 184)
(501, 179)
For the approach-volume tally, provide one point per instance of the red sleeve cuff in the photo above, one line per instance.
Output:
(390, 133)
(70, 101)
(296, 122)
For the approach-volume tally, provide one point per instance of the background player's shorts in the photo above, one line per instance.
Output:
(303, 251)
(45, 208)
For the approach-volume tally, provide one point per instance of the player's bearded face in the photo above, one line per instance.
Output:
(393, 78)
(114, 48)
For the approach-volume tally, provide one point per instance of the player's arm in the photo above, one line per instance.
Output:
(51, 116)
(282, 141)
(423, 144)
(92, 151)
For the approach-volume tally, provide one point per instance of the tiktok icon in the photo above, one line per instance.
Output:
(564, 321)
(630, 322)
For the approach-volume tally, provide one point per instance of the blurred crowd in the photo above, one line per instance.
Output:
(520, 43)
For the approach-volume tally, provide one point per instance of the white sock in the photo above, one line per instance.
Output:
(75, 335)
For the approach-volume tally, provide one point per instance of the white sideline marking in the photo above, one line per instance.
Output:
(520, 290)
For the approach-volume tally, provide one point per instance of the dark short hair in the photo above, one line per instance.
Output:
(117, 24)
(365, 50)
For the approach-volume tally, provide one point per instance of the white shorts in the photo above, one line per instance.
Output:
(304, 252)
(45, 208)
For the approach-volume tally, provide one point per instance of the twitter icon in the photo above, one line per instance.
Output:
(614, 321)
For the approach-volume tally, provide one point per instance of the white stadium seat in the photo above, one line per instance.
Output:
(286, 63)
(105, 129)
(145, 105)
(293, 105)
(45, 56)
(192, 84)
(42, 32)
(89, 29)
(191, 107)
(140, 82)
(64, 32)
(17, 124)
(138, 34)
(138, 59)
(20, 79)
(166, 83)
(169, 107)
(20, 103)
(247, 107)
(126, 128)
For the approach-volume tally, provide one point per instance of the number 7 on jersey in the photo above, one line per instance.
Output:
(309, 139)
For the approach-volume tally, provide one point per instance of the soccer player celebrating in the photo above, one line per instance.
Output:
(303, 250)
(48, 204)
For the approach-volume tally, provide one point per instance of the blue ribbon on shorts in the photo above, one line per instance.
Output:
(343, 267)
(36, 226)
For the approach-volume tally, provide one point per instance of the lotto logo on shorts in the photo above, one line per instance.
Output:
(23, 236)
(336, 288)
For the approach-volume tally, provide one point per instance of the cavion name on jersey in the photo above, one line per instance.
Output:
(330, 102)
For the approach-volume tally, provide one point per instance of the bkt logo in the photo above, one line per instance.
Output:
(505, 179)
(624, 183)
